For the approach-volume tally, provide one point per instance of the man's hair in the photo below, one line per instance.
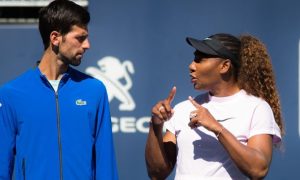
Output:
(60, 16)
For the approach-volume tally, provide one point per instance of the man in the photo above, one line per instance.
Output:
(54, 120)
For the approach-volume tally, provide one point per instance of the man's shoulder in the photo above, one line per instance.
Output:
(18, 83)
(85, 79)
(20, 79)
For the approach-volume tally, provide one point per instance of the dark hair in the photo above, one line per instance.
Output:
(233, 44)
(60, 16)
(230, 42)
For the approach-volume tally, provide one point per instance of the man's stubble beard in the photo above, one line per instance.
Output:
(67, 61)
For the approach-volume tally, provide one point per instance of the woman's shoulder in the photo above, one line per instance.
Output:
(253, 99)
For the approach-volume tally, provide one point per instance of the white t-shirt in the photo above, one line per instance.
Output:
(200, 155)
(54, 84)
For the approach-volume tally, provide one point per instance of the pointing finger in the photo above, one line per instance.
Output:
(172, 94)
(167, 103)
(194, 102)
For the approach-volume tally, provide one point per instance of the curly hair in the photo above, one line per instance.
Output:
(256, 75)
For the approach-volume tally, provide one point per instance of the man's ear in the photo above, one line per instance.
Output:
(55, 38)
(225, 66)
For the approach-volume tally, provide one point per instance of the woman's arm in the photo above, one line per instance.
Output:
(160, 153)
(252, 159)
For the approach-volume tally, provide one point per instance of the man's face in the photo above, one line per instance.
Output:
(73, 45)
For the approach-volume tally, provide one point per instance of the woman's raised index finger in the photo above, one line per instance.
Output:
(172, 94)
(194, 102)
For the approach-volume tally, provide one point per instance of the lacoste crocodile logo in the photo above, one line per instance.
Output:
(116, 77)
(80, 102)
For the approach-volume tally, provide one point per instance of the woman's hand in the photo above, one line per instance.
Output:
(202, 117)
(163, 111)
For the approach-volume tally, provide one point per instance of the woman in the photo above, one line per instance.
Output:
(228, 132)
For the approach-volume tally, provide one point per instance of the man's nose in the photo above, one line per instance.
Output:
(86, 44)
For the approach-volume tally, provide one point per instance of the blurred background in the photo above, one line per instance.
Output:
(141, 44)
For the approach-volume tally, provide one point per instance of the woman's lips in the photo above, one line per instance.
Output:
(193, 79)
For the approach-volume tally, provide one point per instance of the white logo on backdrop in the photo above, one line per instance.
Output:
(116, 77)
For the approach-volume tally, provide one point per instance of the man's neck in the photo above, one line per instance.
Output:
(51, 66)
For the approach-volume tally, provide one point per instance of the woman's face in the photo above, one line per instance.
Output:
(205, 71)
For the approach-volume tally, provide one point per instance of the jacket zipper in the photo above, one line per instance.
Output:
(23, 168)
(59, 137)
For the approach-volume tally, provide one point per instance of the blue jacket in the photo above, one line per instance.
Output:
(64, 135)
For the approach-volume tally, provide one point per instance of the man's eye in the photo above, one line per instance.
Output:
(81, 38)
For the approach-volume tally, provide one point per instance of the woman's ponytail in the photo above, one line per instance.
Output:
(256, 74)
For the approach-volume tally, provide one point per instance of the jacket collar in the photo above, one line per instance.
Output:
(65, 77)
